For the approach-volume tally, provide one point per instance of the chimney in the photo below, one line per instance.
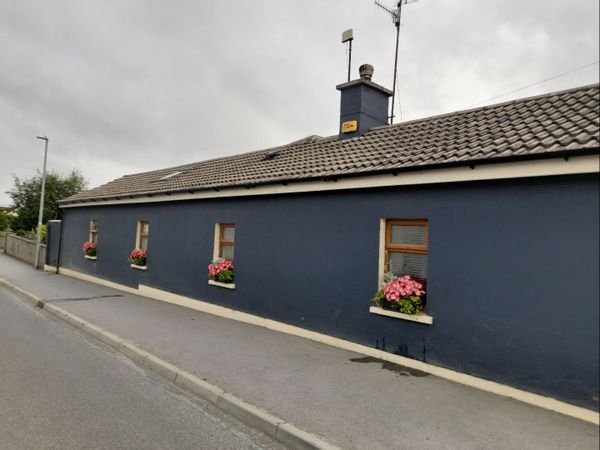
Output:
(363, 105)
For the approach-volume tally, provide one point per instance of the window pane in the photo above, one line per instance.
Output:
(228, 233)
(93, 225)
(144, 242)
(227, 251)
(411, 264)
(408, 234)
(145, 227)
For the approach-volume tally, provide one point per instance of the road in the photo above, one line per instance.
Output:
(59, 389)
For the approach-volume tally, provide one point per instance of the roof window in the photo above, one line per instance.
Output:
(270, 156)
(171, 175)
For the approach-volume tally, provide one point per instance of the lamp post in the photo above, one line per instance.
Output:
(36, 263)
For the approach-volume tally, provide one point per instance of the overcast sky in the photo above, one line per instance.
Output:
(127, 86)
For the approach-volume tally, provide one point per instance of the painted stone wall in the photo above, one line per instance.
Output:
(513, 270)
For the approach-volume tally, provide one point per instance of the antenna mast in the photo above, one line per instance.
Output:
(347, 36)
(396, 14)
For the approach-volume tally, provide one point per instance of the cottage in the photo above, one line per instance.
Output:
(494, 211)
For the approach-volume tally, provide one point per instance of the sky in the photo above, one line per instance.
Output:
(122, 86)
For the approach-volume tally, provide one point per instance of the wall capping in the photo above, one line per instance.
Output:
(420, 318)
(531, 398)
(492, 171)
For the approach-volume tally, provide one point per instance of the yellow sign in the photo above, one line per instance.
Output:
(350, 126)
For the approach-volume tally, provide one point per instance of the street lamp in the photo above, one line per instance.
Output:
(39, 228)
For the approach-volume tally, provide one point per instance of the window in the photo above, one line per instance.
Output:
(406, 248)
(225, 240)
(93, 231)
(141, 240)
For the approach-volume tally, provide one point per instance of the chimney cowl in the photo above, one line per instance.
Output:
(366, 71)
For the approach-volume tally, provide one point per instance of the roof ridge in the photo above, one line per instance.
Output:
(493, 105)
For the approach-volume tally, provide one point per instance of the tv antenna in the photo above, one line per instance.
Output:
(396, 14)
(347, 36)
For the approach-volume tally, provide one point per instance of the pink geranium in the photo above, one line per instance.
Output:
(218, 266)
(221, 270)
(138, 256)
(89, 248)
(403, 286)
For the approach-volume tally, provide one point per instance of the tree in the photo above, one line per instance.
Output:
(26, 197)
(5, 219)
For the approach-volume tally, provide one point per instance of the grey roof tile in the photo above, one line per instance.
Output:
(542, 125)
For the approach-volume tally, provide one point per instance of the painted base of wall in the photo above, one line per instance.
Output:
(448, 374)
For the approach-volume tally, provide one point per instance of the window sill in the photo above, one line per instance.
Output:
(135, 266)
(420, 318)
(94, 258)
(223, 285)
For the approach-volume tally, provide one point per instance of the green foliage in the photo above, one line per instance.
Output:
(26, 197)
(139, 261)
(5, 221)
(225, 276)
(380, 298)
(44, 232)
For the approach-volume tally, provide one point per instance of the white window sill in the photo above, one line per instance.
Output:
(421, 318)
(135, 266)
(90, 257)
(223, 285)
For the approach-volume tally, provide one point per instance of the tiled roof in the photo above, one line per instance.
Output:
(543, 126)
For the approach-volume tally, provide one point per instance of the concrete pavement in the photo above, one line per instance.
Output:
(59, 389)
(351, 400)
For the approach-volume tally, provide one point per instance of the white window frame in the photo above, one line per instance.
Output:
(423, 318)
(217, 241)
(138, 233)
(93, 232)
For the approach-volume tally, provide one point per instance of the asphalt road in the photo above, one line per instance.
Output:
(60, 389)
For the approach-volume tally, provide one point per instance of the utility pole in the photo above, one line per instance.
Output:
(36, 263)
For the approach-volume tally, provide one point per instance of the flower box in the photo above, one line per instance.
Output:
(220, 273)
(138, 258)
(223, 285)
(401, 295)
(420, 318)
(89, 250)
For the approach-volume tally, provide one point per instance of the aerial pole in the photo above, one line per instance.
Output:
(347, 36)
(397, 23)
(396, 14)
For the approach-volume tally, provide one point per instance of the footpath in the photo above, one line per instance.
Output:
(303, 393)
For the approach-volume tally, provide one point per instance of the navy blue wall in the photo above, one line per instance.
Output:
(512, 285)
(52, 242)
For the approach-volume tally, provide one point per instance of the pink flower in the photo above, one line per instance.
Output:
(403, 286)
(218, 266)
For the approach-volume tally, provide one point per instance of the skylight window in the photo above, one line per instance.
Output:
(171, 175)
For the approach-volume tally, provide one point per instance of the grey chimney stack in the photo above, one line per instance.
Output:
(364, 104)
